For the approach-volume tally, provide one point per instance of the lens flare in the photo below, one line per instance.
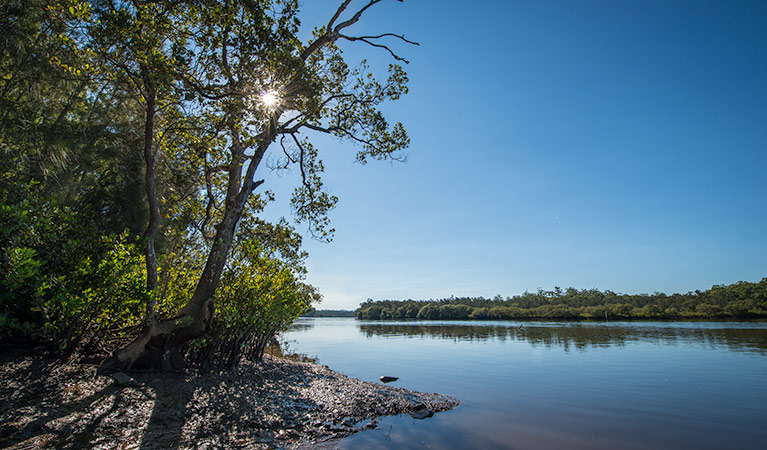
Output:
(270, 98)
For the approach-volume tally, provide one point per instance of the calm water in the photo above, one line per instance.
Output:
(555, 385)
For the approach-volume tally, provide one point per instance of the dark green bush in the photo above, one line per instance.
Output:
(60, 280)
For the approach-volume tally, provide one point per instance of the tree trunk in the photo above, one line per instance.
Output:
(154, 208)
(158, 347)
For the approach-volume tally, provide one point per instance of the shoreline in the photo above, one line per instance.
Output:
(277, 403)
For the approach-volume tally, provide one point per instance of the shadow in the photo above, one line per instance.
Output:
(267, 404)
(262, 402)
(165, 425)
(25, 387)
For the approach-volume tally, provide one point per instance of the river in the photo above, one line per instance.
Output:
(545, 385)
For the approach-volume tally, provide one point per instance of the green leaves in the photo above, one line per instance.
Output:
(101, 295)
(259, 296)
(100, 100)
(60, 280)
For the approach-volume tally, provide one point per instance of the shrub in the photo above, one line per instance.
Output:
(60, 280)
(258, 298)
(99, 299)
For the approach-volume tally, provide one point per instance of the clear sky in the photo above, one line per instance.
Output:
(595, 144)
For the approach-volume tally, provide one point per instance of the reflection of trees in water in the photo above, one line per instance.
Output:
(301, 326)
(580, 336)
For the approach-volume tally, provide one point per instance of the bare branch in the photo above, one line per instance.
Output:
(332, 34)
(285, 151)
(340, 10)
(283, 129)
(369, 42)
(355, 138)
(256, 184)
(399, 36)
(319, 128)
(332, 130)
(288, 122)
(301, 162)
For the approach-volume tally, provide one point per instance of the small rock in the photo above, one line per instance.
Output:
(121, 379)
(387, 379)
(421, 411)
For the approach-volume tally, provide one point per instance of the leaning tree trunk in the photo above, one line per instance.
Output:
(158, 347)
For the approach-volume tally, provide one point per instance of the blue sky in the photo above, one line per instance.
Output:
(593, 144)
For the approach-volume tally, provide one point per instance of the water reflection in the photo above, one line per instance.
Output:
(569, 385)
(583, 336)
(302, 324)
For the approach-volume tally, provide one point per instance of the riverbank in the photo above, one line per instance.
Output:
(278, 403)
(738, 301)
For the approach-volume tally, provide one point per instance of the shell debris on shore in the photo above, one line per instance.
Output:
(271, 404)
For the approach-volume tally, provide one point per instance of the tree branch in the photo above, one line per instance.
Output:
(399, 36)
(356, 16)
(340, 10)
(332, 130)
(371, 43)
(332, 34)
(301, 162)
(285, 151)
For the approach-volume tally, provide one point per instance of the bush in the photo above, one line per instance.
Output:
(99, 299)
(428, 311)
(258, 298)
(61, 281)
(454, 312)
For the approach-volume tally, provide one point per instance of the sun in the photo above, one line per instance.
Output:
(270, 98)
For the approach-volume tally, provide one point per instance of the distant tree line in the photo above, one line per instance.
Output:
(741, 300)
(328, 313)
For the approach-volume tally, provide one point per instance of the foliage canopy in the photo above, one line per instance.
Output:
(134, 139)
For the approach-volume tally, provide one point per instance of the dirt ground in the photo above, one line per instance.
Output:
(277, 403)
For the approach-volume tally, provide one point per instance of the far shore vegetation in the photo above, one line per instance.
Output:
(328, 313)
(741, 300)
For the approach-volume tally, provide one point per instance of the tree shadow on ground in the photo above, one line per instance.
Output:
(251, 405)
(46, 404)
(257, 405)
(165, 426)
(36, 393)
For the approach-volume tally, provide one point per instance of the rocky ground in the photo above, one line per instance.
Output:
(278, 403)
